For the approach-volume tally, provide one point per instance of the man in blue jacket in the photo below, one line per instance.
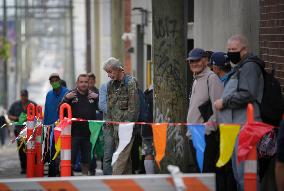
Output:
(51, 114)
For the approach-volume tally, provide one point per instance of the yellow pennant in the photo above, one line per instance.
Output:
(228, 135)
(57, 148)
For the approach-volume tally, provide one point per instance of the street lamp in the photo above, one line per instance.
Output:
(144, 18)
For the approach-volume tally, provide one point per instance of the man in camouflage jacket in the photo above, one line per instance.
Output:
(122, 106)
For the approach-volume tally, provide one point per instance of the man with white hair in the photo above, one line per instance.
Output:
(245, 86)
(122, 106)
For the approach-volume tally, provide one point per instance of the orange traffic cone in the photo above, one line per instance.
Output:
(250, 176)
(65, 153)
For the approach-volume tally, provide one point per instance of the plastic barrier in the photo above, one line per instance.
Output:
(250, 176)
(65, 152)
(192, 182)
(30, 144)
(39, 166)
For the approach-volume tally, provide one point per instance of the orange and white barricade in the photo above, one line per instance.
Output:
(65, 152)
(30, 144)
(192, 182)
(250, 169)
(39, 166)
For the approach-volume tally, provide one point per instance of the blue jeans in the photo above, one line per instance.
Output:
(238, 169)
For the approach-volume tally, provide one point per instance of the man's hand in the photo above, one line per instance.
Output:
(93, 95)
(218, 104)
(70, 95)
(13, 118)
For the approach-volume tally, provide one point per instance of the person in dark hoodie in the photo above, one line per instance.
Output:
(245, 86)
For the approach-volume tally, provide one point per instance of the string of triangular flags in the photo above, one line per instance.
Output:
(248, 137)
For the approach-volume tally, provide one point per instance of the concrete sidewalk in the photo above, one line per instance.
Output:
(9, 162)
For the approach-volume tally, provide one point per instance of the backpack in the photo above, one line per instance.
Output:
(271, 106)
(143, 106)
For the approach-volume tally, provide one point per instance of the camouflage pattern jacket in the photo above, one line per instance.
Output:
(123, 100)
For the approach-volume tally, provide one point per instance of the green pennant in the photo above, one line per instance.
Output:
(22, 119)
(95, 129)
(99, 148)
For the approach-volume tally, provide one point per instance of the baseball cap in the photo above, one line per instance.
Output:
(196, 54)
(24, 92)
(219, 59)
(54, 75)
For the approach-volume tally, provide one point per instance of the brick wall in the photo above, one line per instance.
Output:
(272, 36)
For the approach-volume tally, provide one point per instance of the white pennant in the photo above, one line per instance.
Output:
(124, 135)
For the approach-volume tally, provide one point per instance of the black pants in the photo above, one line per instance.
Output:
(22, 157)
(135, 157)
(93, 164)
(53, 165)
(81, 145)
(21, 152)
(224, 176)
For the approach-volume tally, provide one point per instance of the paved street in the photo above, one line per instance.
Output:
(9, 162)
(10, 165)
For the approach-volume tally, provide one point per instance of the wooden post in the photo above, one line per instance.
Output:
(170, 97)
(117, 29)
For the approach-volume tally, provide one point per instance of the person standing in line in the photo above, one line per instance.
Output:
(122, 106)
(92, 87)
(83, 103)
(245, 86)
(221, 66)
(18, 113)
(51, 115)
(206, 89)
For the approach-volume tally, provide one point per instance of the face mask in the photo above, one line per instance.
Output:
(234, 57)
(55, 85)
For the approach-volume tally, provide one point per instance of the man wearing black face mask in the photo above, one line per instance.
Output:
(245, 86)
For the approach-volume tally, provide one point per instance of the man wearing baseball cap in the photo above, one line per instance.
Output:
(221, 66)
(206, 88)
(53, 98)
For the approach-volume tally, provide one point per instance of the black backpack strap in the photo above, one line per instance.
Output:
(208, 88)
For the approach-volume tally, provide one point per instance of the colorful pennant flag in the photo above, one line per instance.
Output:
(159, 140)
(198, 139)
(228, 135)
(95, 129)
(57, 148)
(124, 135)
(57, 133)
(44, 128)
(249, 136)
(51, 137)
(57, 141)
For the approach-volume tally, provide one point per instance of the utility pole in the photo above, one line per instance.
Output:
(88, 36)
(117, 29)
(5, 80)
(170, 82)
(72, 64)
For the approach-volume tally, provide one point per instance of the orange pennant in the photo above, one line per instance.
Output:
(159, 140)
